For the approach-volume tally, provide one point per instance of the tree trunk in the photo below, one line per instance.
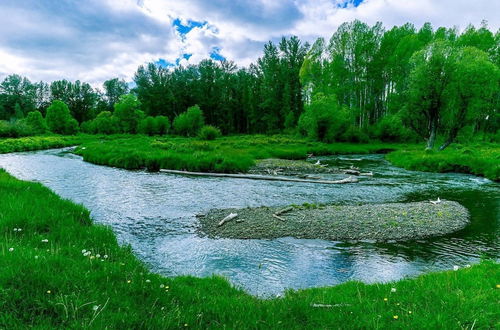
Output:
(445, 145)
(432, 136)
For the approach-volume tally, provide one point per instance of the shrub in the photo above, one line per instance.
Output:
(128, 114)
(190, 122)
(59, 119)
(163, 125)
(148, 126)
(354, 134)
(324, 119)
(36, 121)
(209, 132)
(391, 129)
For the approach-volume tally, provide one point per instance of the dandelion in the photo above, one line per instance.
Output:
(393, 290)
(84, 251)
(45, 240)
(92, 257)
(36, 257)
(148, 281)
(129, 281)
(409, 312)
(467, 266)
(98, 256)
(167, 287)
(11, 249)
(162, 286)
(185, 324)
(19, 229)
(48, 291)
(498, 286)
(455, 268)
(397, 304)
(95, 308)
(395, 317)
(105, 256)
(385, 299)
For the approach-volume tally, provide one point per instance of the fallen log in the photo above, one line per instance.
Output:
(260, 177)
(228, 218)
(285, 210)
(278, 217)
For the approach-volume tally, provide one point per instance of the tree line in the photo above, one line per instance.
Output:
(365, 82)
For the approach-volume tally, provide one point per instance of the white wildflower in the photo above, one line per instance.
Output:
(162, 286)
(393, 290)
(148, 281)
(36, 257)
(98, 255)
(11, 249)
(95, 308)
(84, 251)
(467, 266)
(105, 256)
(45, 240)
(455, 268)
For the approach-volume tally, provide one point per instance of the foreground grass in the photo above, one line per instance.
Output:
(480, 159)
(227, 154)
(49, 280)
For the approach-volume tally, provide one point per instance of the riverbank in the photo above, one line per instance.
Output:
(245, 153)
(378, 222)
(479, 159)
(58, 270)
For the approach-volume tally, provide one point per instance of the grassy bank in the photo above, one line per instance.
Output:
(37, 143)
(58, 270)
(227, 154)
(480, 159)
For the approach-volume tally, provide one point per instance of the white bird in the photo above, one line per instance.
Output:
(436, 201)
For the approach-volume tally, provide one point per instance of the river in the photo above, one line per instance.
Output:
(155, 214)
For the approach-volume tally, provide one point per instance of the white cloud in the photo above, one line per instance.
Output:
(98, 40)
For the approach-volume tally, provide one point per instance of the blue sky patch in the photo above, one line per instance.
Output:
(215, 54)
(164, 63)
(184, 29)
(347, 3)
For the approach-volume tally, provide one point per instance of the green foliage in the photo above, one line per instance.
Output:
(324, 119)
(481, 159)
(163, 125)
(59, 119)
(209, 132)
(148, 126)
(52, 277)
(15, 129)
(190, 122)
(36, 143)
(35, 120)
(128, 113)
(391, 129)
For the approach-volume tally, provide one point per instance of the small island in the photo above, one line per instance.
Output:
(379, 222)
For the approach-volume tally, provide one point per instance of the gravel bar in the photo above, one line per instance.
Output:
(379, 222)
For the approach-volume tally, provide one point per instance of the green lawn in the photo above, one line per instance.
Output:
(48, 279)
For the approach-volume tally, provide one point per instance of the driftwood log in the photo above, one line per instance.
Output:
(230, 217)
(349, 179)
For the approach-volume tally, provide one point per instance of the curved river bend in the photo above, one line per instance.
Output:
(155, 214)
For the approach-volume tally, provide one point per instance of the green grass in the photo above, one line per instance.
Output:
(36, 143)
(479, 159)
(227, 154)
(46, 282)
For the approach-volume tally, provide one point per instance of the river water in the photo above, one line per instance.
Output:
(155, 214)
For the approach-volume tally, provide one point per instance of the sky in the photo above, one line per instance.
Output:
(96, 40)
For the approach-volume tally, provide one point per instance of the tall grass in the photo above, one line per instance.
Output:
(480, 159)
(36, 143)
(228, 154)
(58, 270)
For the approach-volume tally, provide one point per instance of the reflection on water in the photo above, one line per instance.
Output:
(155, 214)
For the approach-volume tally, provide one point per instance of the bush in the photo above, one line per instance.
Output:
(209, 132)
(354, 134)
(36, 121)
(391, 129)
(324, 119)
(190, 122)
(163, 125)
(148, 126)
(59, 119)
(18, 128)
(128, 114)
